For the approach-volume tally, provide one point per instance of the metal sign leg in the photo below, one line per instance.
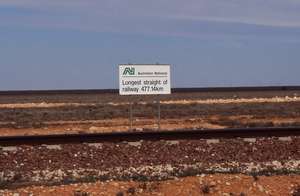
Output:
(130, 115)
(158, 115)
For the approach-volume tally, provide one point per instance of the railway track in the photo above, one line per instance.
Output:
(174, 90)
(150, 136)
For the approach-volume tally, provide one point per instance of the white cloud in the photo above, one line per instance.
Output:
(147, 16)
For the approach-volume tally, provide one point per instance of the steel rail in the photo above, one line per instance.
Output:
(174, 90)
(150, 135)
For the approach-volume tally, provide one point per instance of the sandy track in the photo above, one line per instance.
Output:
(113, 125)
(177, 102)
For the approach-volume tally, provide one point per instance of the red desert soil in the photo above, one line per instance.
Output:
(119, 125)
(102, 126)
(68, 118)
(217, 184)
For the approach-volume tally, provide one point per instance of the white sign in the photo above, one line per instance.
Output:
(144, 79)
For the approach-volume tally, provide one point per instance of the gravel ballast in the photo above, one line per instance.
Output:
(146, 160)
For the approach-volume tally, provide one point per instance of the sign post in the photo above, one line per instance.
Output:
(158, 115)
(130, 115)
(141, 79)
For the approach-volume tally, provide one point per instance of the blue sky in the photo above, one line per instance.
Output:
(63, 44)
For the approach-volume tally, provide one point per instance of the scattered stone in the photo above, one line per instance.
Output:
(260, 188)
(115, 184)
(97, 145)
(276, 163)
(172, 142)
(251, 140)
(139, 129)
(213, 183)
(212, 141)
(228, 183)
(285, 139)
(10, 148)
(53, 147)
(93, 128)
(135, 144)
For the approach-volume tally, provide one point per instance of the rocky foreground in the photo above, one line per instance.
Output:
(147, 160)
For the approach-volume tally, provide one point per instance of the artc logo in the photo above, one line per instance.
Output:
(129, 71)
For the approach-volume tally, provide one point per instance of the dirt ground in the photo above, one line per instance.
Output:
(65, 114)
(139, 124)
(217, 184)
(69, 118)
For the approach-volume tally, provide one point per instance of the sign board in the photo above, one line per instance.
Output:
(144, 79)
